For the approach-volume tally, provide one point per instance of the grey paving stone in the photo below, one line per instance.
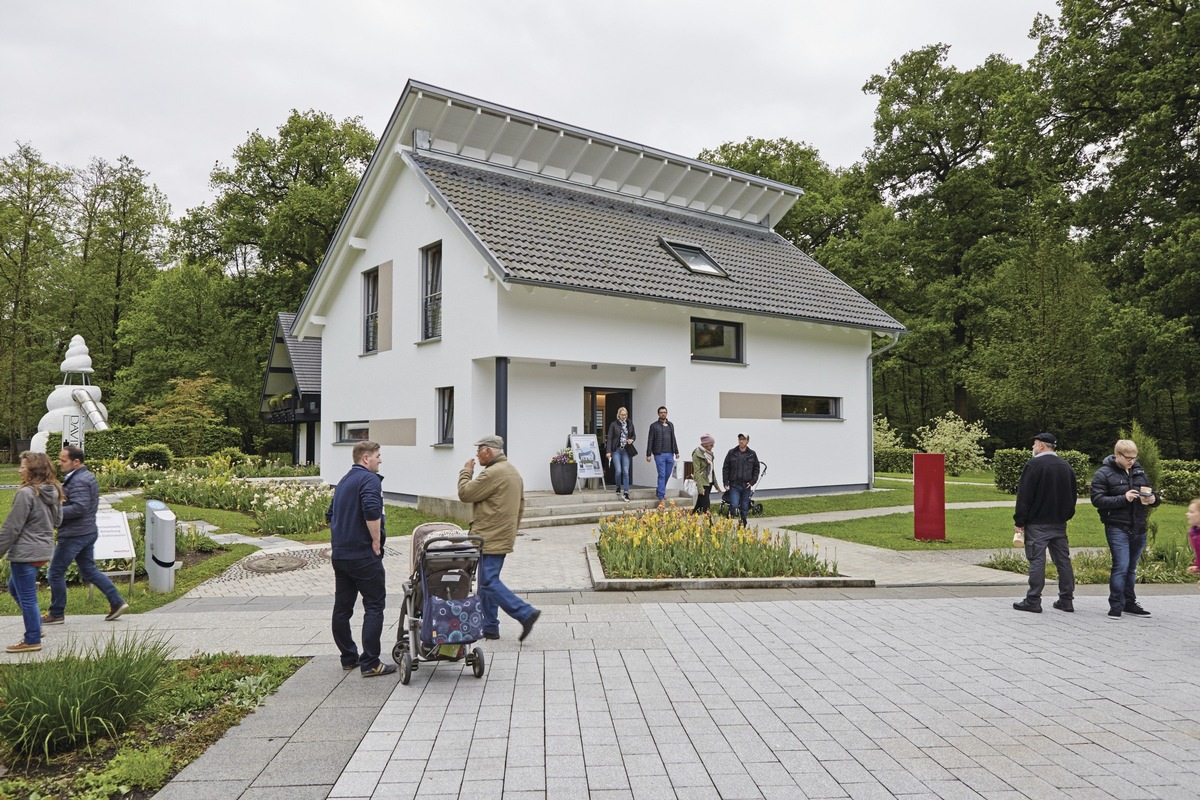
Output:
(306, 763)
(200, 790)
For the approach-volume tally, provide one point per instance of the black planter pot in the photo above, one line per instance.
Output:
(563, 476)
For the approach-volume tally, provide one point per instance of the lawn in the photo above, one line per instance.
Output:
(887, 493)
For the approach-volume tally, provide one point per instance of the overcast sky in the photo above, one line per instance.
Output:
(177, 86)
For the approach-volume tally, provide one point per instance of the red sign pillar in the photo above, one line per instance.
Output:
(929, 496)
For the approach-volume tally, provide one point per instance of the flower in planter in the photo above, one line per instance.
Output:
(564, 456)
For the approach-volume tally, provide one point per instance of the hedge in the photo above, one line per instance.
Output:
(894, 459)
(1179, 485)
(1179, 464)
(185, 439)
(1007, 464)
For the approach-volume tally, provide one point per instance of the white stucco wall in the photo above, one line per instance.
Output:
(532, 327)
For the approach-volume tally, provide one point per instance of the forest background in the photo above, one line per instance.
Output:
(1035, 226)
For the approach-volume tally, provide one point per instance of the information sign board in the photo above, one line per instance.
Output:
(587, 455)
(115, 540)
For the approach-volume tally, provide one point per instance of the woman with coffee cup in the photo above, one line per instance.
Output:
(1122, 494)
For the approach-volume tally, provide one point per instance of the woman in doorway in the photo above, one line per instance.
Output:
(704, 473)
(27, 538)
(619, 445)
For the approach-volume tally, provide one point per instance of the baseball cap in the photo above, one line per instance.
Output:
(743, 436)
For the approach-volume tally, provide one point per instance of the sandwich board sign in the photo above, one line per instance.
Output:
(115, 543)
(587, 455)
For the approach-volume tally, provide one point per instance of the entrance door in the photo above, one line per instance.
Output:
(599, 410)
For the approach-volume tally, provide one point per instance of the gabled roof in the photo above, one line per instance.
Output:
(303, 357)
(549, 233)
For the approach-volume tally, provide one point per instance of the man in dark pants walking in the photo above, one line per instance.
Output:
(1045, 501)
(356, 537)
(77, 535)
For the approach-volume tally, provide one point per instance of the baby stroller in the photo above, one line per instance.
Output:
(756, 509)
(441, 615)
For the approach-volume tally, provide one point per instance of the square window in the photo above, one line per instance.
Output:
(353, 431)
(804, 406)
(713, 340)
(694, 258)
(445, 401)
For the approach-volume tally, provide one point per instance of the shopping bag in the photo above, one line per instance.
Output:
(689, 487)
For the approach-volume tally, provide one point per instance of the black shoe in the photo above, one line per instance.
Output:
(491, 635)
(380, 669)
(1025, 605)
(1064, 605)
(348, 667)
(1134, 610)
(527, 625)
(1114, 613)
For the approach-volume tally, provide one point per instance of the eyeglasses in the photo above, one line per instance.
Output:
(1128, 457)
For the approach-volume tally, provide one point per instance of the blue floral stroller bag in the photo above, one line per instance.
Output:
(441, 616)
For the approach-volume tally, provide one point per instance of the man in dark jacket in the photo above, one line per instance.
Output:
(356, 537)
(1045, 501)
(77, 537)
(662, 448)
(1122, 494)
(740, 473)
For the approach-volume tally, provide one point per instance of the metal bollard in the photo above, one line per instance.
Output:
(160, 546)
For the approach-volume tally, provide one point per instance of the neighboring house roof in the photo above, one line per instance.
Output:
(541, 232)
(304, 354)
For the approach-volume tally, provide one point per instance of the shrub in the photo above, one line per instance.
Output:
(674, 543)
(883, 435)
(145, 769)
(957, 439)
(72, 698)
(1007, 466)
(232, 455)
(155, 456)
(1149, 456)
(894, 459)
(1179, 485)
(1179, 465)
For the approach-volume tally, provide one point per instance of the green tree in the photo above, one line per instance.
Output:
(32, 209)
(119, 227)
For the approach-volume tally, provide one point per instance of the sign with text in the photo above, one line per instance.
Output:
(587, 455)
(115, 540)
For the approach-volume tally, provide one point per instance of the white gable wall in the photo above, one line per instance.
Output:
(534, 326)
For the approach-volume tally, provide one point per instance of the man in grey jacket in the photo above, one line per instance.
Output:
(77, 539)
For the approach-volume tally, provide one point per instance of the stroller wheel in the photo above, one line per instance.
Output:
(477, 662)
(756, 509)
(400, 650)
(406, 669)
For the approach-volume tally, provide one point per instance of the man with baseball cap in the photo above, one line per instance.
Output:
(497, 496)
(740, 473)
(1045, 501)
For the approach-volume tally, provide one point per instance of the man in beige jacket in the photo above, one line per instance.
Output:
(497, 496)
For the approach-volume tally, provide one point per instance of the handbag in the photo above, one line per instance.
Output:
(629, 448)
(689, 487)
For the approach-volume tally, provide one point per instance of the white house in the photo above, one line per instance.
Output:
(499, 272)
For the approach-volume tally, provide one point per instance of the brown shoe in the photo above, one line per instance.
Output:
(49, 619)
(116, 611)
(22, 647)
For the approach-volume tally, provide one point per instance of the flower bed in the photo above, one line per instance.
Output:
(672, 543)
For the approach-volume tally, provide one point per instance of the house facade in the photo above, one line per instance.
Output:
(291, 392)
(497, 272)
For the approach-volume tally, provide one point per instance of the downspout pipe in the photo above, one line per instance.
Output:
(871, 404)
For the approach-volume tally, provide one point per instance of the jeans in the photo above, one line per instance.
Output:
(352, 577)
(622, 469)
(1126, 548)
(1038, 538)
(78, 549)
(22, 585)
(739, 501)
(494, 595)
(664, 462)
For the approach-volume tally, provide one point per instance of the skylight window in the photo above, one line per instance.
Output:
(694, 258)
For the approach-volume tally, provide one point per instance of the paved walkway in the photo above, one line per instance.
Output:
(915, 691)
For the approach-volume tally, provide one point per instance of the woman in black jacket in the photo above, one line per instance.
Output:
(619, 446)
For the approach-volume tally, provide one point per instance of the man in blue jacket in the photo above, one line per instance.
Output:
(77, 537)
(356, 538)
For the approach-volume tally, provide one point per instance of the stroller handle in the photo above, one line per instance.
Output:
(442, 539)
